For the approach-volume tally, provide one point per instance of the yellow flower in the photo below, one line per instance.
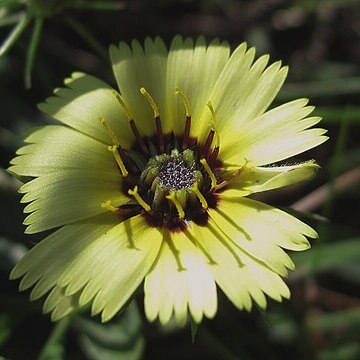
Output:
(151, 185)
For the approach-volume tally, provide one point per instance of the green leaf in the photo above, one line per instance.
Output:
(343, 352)
(317, 89)
(15, 34)
(32, 49)
(326, 257)
(120, 339)
(347, 320)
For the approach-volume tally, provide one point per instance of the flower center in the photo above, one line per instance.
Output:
(170, 179)
(175, 174)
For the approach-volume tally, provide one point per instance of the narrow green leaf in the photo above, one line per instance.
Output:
(343, 352)
(328, 256)
(98, 5)
(335, 114)
(32, 49)
(11, 19)
(316, 89)
(348, 320)
(15, 34)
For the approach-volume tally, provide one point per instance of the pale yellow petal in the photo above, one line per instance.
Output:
(273, 136)
(194, 68)
(83, 103)
(135, 67)
(240, 276)
(172, 290)
(111, 268)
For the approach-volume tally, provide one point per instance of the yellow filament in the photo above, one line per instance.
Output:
(234, 176)
(151, 102)
(185, 101)
(209, 172)
(123, 104)
(175, 201)
(107, 205)
(110, 131)
(213, 121)
(196, 191)
(119, 160)
(139, 199)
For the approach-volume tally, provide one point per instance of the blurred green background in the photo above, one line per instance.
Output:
(43, 41)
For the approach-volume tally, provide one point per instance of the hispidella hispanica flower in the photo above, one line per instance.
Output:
(149, 184)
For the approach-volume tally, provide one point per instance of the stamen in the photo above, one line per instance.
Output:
(233, 176)
(209, 172)
(139, 199)
(119, 160)
(110, 131)
(200, 196)
(175, 201)
(213, 121)
(107, 205)
(208, 141)
(123, 104)
(185, 101)
(133, 126)
(151, 101)
(175, 252)
(138, 137)
(186, 104)
(215, 152)
(157, 118)
(186, 137)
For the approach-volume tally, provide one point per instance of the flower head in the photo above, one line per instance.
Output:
(150, 184)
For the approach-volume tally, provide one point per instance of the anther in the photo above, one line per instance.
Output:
(119, 160)
(186, 104)
(123, 104)
(139, 199)
(156, 117)
(209, 172)
(185, 101)
(108, 206)
(110, 131)
(151, 101)
(200, 196)
(175, 201)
